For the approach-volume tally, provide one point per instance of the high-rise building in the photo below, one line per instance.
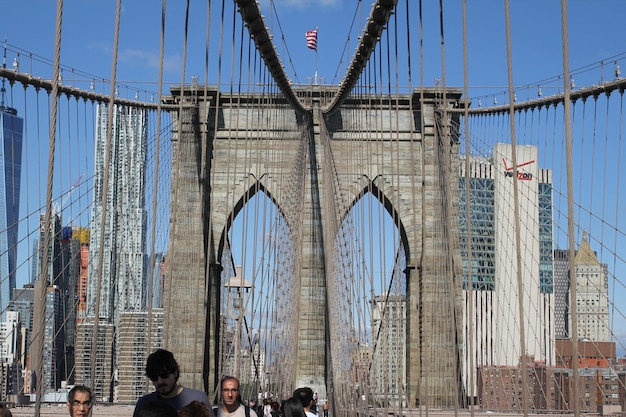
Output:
(9, 337)
(47, 330)
(22, 302)
(93, 364)
(21, 372)
(117, 268)
(9, 351)
(592, 303)
(496, 322)
(561, 293)
(136, 342)
(83, 236)
(592, 295)
(11, 128)
(59, 319)
(388, 349)
(119, 275)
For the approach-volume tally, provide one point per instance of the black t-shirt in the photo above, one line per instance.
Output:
(186, 396)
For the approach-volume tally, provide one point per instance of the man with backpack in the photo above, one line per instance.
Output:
(231, 400)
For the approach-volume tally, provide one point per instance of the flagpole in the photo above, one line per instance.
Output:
(311, 43)
(315, 79)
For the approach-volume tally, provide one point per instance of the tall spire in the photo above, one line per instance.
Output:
(585, 255)
(3, 90)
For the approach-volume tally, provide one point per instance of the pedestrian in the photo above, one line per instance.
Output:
(79, 401)
(232, 405)
(4, 411)
(275, 409)
(292, 408)
(162, 369)
(305, 395)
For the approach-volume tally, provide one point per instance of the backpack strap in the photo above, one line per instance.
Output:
(246, 410)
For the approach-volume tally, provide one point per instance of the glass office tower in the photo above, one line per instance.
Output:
(11, 128)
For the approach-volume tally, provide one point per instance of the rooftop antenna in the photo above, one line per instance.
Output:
(4, 65)
(3, 90)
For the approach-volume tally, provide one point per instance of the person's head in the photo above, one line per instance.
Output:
(229, 387)
(292, 407)
(156, 409)
(163, 371)
(305, 395)
(195, 409)
(4, 411)
(79, 401)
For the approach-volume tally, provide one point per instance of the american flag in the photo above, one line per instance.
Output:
(311, 39)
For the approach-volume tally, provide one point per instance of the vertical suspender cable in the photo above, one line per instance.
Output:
(155, 185)
(423, 199)
(518, 249)
(470, 283)
(448, 216)
(105, 188)
(570, 204)
(42, 284)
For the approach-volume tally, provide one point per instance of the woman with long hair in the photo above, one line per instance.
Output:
(292, 408)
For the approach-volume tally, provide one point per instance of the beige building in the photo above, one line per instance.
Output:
(136, 343)
(102, 349)
(592, 295)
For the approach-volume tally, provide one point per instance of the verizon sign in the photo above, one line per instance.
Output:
(521, 175)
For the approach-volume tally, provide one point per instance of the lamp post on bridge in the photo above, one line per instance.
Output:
(238, 287)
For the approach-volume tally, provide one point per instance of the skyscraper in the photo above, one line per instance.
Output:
(116, 278)
(496, 322)
(592, 303)
(123, 268)
(11, 128)
(592, 295)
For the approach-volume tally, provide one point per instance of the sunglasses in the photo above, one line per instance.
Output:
(162, 375)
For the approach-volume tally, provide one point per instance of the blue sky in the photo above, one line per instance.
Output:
(536, 37)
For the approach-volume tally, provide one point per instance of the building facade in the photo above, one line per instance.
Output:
(592, 295)
(93, 364)
(119, 276)
(561, 293)
(388, 350)
(117, 268)
(495, 320)
(141, 333)
(11, 129)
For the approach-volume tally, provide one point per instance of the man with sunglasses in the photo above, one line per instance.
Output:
(162, 369)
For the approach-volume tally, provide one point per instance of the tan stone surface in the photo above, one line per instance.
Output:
(61, 410)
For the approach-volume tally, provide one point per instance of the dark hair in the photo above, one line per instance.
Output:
(4, 411)
(292, 407)
(159, 362)
(195, 409)
(228, 378)
(305, 395)
(156, 409)
(78, 388)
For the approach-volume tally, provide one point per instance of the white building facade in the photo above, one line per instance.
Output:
(495, 315)
(117, 271)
